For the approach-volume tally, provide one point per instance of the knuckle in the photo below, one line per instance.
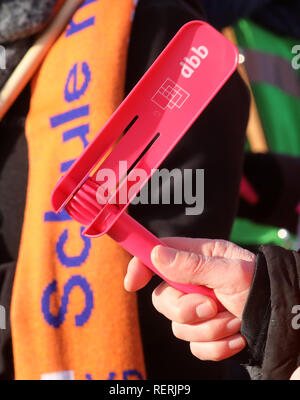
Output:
(222, 248)
(194, 262)
(207, 332)
(158, 293)
(155, 300)
(197, 352)
(180, 314)
(176, 330)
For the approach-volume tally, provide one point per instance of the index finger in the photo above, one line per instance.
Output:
(137, 276)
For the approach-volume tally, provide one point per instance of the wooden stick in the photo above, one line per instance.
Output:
(35, 55)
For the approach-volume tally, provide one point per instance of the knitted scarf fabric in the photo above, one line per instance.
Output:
(70, 316)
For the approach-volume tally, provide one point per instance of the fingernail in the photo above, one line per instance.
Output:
(205, 310)
(234, 325)
(236, 343)
(165, 255)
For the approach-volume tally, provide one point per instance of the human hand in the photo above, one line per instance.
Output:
(217, 264)
(296, 375)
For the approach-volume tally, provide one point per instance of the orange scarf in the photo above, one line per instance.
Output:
(70, 316)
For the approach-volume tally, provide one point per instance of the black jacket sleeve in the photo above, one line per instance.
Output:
(270, 322)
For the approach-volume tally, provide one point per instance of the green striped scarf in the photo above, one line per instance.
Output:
(276, 86)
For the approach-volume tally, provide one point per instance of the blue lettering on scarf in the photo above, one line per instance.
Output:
(57, 320)
(51, 216)
(130, 373)
(80, 131)
(78, 27)
(76, 93)
(68, 116)
(64, 167)
(127, 375)
(75, 87)
(75, 261)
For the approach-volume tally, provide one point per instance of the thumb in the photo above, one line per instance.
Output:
(229, 276)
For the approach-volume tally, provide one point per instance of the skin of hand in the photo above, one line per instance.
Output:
(217, 264)
(296, 375)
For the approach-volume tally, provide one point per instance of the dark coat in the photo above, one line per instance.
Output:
(271, 321)
(281, 16)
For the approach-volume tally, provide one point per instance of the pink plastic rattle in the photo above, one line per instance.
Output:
(154, 117)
